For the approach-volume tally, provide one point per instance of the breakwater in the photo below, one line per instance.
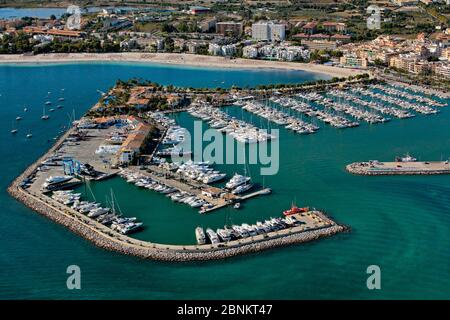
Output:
(105, 238)
(398, 168)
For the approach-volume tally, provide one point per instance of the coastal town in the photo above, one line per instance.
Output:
(417, 49)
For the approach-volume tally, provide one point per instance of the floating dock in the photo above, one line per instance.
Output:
(374, 168)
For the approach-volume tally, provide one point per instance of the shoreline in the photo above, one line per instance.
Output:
(179, 59)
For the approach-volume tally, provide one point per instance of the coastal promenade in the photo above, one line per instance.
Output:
(108, 239)
(374, 168)
(179, 59)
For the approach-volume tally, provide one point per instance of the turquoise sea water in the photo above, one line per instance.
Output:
(399, 223)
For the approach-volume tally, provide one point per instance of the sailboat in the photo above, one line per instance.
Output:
(13, 130)
(44, 116)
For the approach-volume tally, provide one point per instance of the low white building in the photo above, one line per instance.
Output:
(250, 52)
(282, 52)
(222, 50)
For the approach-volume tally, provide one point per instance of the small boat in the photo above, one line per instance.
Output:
(236, 181)
(51, 110)
(18, 118)
(406, 158)
(294, 209)
(59, 106)
(48, 103)
(44, 116)
(237, 205)
(25, 109)
(242, 188)
(29, 135)
(13, 130)
(98, 212)
(61, 99)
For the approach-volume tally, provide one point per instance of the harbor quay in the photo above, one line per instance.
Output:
(374, 168)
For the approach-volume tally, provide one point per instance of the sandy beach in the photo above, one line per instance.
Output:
(179, 59)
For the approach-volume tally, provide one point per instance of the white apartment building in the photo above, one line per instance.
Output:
(282, 52)
(219, 50)
(268, 31)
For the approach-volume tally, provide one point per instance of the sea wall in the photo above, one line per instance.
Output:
(129, 246)
(359, 170)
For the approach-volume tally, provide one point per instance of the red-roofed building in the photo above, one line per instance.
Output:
(334, 26)
(319, 36)
(310, 27)
(52, 32)
(301, 36)
(341, 37)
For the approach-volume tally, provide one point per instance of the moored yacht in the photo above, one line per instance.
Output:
(242, 188)
(98, 212)
(212, 236)
(200, 235)
(236, 181)
(406, 158)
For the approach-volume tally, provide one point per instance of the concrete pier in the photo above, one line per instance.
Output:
(373, 168)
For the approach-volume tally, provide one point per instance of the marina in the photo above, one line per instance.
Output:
(238, 129)
(94, 150)
(108, 230)
(140, 150)
(311, 169)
